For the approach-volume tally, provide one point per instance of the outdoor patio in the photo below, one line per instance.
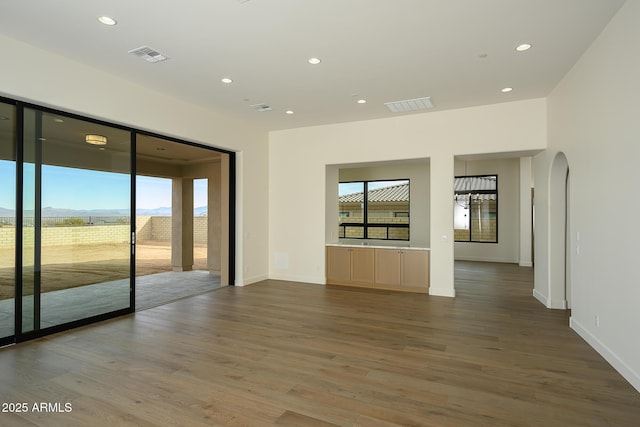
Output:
(94, 281)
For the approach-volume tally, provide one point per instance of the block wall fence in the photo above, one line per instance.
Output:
(147, 228)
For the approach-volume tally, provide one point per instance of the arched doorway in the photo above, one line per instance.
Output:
(559, 230)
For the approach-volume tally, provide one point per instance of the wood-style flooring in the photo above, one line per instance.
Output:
(298, 354)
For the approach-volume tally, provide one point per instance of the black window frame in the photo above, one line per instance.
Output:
(479, 192)
(20, 106)
(365, 220)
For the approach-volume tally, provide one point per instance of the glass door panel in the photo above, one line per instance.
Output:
(76, 220)
(7, 219)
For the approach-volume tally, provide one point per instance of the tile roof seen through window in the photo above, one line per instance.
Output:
(471, 184)
(394, 193)
(400, 192)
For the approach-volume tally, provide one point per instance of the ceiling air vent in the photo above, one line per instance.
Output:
(409, 105)
(148, 54)
(261, 107)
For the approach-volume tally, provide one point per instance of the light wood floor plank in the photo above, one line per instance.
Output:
(284, 353)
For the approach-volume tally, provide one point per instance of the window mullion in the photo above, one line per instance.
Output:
(365, 219)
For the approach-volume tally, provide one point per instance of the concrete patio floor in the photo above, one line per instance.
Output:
(67, 305)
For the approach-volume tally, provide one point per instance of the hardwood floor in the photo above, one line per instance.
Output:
(308, 355)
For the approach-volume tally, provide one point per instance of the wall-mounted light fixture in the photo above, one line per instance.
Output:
(95, 139)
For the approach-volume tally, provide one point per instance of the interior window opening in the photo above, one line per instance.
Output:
(374, 210)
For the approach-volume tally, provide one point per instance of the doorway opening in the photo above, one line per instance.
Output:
(179, 203)
(559, 234)
(68, 218)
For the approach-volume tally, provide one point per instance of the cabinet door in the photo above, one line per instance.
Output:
(388, 267)
(362, 261)
(338, 264)
(415, 269)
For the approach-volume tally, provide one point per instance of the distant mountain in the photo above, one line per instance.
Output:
(58, 212)
(163, 211)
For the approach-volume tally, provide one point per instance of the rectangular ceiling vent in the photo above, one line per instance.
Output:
(261, 107)
(409, 105)
(148, 54)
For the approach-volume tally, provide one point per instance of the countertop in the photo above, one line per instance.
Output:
(377, 246)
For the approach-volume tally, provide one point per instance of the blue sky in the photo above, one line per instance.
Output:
(67, 188)
(7, 184)
(156, 192)
(357, 187)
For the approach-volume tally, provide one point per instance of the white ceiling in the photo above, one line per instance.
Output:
(458, 52)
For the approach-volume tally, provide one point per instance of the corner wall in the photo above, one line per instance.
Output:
(593, 119)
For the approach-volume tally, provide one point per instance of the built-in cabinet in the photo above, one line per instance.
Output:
(404, 269)
(350, 265)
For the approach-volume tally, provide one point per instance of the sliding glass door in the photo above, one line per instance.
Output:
(67, 216)
(76, 220)
(7, 219)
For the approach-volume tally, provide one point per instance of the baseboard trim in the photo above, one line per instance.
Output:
(618, 364)
(543, 299)
(308, 279)
(558, 304)
(480, 259)
(442, 292)
(251, 280)
(549, 303)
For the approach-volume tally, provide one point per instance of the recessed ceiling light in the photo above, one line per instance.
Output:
(226, 80)
(362, 101)
(58, 120)
(314, 61)
(42, 139)
(289, 112)
(523, 47)
(507, 89)
(106, 20)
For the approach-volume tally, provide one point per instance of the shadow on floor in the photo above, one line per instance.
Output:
(161, 288)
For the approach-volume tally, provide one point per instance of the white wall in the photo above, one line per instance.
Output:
(31, 74)
(526, 212)
(594, 120)
(508, 247)
(301, 160)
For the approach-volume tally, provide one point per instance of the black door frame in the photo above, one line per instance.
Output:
(19, 336)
